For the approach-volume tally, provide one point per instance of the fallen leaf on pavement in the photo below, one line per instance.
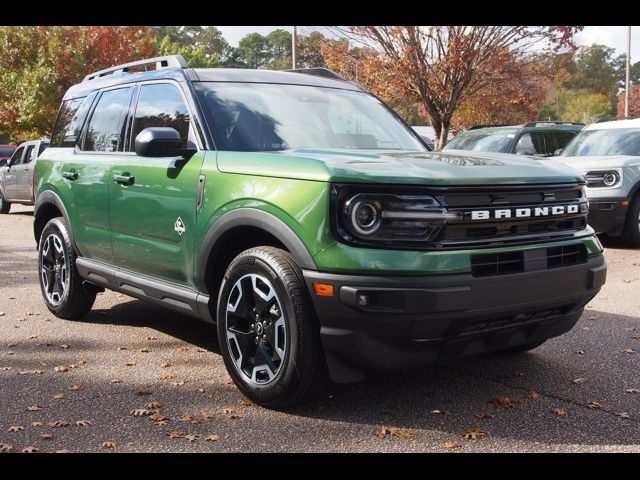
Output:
(58, 424)
(179, 384)
(247, 403)
(30, 372)
(483, 415)
(152, 338)
(182, 349)
(140, 412)
(47, 436)
(5, 369)
(625, 415)
(533, 395)
(34, 408)
(61, 368)
(632, 390)
(167, 376)
(64, 346)
(628, 350)
(63, 450)
(158, 416)
(165, 365)
(130, 364)
(580, 352)
(16, 428)
(109, 444)
(440, 412)
(120, 349)
(76, 388)
(58, 396)
(558, 412)
(175, 434)
(36, 424)
(594, 405)
(452, 444)
(143, 391)
(578, 381)
(5, 448)
(30, 449)
(199, 390)
(83, 423)
(144, 350)
(503, 402)
(395, 432)
(192, 438)
(116, 380)
(154, 405)
(212, 438)
(474, 434)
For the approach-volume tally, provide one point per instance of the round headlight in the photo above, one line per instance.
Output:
(365, 217)
(610, 179)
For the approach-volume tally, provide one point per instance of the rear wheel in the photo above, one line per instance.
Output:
(269, 336)
(60, 282)
(631, 233)
(4, 205)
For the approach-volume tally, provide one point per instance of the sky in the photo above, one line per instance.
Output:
(615, 37)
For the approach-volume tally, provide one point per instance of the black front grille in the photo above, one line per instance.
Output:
(467, 232)
(489, 264)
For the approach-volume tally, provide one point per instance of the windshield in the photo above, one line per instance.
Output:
(253, 117)
(611, 141)
(480, 141)
(6, 152)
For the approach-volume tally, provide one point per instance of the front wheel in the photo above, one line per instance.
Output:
(268, 333)
(4, 205)
(631, 234)
(60, 282)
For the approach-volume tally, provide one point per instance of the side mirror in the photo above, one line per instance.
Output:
(159, 142)
(558, 152)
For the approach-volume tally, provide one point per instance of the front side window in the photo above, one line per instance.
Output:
(254, 117)
(29, 155)
(610, 141)
(482, 141)
(161, 105)
(531, 144)
(17, 155)
(106, 126)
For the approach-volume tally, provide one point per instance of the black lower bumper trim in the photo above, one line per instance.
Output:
(607, 215)
(393, 322)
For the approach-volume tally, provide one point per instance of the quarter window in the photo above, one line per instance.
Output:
(70, 119)
(161, 105)
(106, 127)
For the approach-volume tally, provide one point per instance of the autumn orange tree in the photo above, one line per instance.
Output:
(38, 64)
(634, 102)
(443, 66)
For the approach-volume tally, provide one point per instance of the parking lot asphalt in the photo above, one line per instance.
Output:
(131, 377)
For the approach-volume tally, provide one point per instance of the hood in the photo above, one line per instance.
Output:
(599, 162)
(453, 167)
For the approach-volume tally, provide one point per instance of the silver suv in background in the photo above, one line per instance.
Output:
(16, 178)
(608, 154)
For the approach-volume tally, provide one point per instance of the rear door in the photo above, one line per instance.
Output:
(153, 214)
(10, 175)
(24, 179)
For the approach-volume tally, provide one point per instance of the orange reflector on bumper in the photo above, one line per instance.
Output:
(625, 202)
(323, 289)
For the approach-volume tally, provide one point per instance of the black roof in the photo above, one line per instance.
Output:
(239, 75)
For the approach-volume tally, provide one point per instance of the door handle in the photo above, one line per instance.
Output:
(70, 175)
(124, 178)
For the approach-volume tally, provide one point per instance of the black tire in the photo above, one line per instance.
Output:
(631, 232)
(74, 301)
(521, 348)
(4, 205)
(302, 373)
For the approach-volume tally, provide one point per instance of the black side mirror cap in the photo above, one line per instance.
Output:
(159, 142)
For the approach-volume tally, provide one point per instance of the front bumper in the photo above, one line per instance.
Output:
(607, 215)
(411, 321)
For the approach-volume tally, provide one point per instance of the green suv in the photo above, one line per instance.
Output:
(301, 215)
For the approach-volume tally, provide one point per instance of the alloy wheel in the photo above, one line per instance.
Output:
(54, 269)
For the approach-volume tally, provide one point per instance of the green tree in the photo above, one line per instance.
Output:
(196, 56)
(595, 70)
(253, 50)
(586, 107)
(280, 49)
(310, 50)
(207, 41)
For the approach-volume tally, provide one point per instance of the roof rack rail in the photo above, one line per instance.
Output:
(547, 122)
(476, 127)
(168, 61)
(319, 72)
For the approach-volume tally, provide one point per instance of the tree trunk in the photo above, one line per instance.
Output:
(444, 133)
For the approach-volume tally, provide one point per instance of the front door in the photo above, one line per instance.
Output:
(24, 180)
(152, 201)
(11, 175)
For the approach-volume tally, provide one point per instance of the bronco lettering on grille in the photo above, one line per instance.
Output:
(525, 212)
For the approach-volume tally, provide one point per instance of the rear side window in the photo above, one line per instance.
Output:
(161, 105)
(106, 126)
(28, 156)
(70, 120)
(558, 140)
(42, 148)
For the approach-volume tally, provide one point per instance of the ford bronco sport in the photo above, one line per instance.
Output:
(306, 219)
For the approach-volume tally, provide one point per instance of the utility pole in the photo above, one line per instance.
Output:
(294, 47)
(627, 82)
